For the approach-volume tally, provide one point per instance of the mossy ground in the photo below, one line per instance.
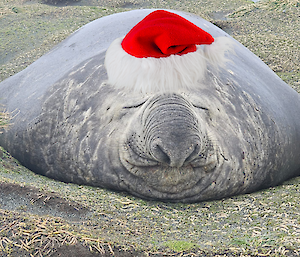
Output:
(43, 217)
(4, 119)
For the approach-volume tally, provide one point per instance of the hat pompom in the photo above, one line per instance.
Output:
(163, 52)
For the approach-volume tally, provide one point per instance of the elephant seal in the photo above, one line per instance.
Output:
(237, 132)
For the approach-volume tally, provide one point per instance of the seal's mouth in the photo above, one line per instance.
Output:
(166, 179)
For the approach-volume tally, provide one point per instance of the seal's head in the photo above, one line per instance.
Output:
(166, 148)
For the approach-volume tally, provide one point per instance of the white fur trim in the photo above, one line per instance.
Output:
(215, 52)
(172, 73)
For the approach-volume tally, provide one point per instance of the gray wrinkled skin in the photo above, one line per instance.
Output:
(239, 132)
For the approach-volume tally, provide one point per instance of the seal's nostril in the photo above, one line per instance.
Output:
(174, 154)
(194, 154)
(160, 154)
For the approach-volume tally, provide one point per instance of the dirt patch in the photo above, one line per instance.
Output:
(60, 3)
(31, 200)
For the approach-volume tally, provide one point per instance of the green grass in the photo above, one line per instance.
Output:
(179, 246)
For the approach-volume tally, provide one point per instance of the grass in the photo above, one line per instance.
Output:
(41, 235)
(249, 224)
(270, 29)
(4, 120)
(39, 28)
(179, 246)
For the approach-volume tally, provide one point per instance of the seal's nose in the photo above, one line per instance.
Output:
(175, 151)
(172, 130)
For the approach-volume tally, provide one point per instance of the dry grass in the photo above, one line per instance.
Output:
(41, 236)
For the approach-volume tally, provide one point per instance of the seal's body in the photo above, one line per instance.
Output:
(238, 132)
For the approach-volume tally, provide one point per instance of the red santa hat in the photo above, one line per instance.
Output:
(163, 52)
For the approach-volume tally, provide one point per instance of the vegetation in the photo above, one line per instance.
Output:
(3, 120)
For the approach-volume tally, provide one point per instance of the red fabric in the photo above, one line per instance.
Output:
(161, 34)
